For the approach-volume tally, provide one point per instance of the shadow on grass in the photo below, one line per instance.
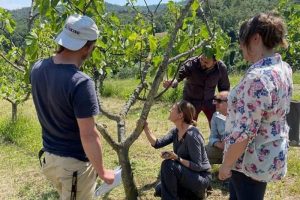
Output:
(143, 189)
(217, 184)
(148, 186)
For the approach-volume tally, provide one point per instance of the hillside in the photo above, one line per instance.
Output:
(227, 13)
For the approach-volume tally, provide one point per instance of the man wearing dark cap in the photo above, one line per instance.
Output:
(66, 103)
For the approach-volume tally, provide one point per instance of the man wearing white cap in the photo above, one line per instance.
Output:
(66, 103)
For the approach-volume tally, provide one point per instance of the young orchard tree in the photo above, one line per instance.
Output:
(136, 44)
(291, 12)
(14, 87)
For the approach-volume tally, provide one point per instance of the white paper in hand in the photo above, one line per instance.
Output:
(104, 188)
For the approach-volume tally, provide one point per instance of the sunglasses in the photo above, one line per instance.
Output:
(218, 100)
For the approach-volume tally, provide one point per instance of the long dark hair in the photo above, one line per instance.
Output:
(188, 111)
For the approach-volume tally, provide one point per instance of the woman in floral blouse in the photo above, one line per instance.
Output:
(257, 145)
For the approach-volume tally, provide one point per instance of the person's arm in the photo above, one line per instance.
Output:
(182, 161)
(150, 136)
(184, 71)
(223, 83)
(92, 147)
(158, 143)
(253, 99)
(85, 105)
(234, 152)
(196, 150)
(213, 137)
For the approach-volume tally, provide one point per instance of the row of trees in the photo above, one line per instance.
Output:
(228, 14)
(191, 29)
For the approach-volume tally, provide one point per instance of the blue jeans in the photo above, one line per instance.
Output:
(176, 179)
(242, 187)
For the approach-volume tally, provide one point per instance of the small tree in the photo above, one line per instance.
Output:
(128, 45)
(291, 12)
(14, 72)
(13, 88)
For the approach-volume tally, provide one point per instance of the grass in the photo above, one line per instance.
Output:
(19, 142)
(123, 88)
(20, 177)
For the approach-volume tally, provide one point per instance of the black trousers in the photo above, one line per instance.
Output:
(179, 182)
(242, 187)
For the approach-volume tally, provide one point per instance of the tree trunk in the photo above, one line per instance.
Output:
(127, 174)
(293, 120)
(14, 111)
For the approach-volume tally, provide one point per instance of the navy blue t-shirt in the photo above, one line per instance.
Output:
(62, 93)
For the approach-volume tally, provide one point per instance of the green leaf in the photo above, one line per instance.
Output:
(8, 26)
(204, 32)
(138, 46)
(101, 44)
(115, 19)
(171, 6)
(164, 41)
(152, 43)
(133, 36)
(195, 5)
(45, 4)
(184, 46)
(157, 60)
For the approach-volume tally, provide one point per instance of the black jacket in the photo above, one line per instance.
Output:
(200, 85)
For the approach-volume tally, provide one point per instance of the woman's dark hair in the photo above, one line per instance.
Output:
(87, 44)
(269, 26)
(188, 111)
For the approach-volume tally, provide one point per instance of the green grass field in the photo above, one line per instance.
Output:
(20, 177)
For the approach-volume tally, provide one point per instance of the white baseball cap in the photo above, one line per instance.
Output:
(77, 31)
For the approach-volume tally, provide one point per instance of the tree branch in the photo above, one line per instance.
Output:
(177, 57)
(157, 6)
(9, 100)
(132, 99)
(110, 116)
(12, 64)
(87, 6)
(74, 8)
(158, 78)
(26, 97)
(101, 128)
(166, 89)
(201, 12)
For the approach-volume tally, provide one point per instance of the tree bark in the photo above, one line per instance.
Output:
(127, 174)
(14, 112)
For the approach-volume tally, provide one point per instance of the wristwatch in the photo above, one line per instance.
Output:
(178, 159)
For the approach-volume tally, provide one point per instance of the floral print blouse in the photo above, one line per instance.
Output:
(257, 109)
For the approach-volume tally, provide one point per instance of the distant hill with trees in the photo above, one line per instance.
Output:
(227, 13)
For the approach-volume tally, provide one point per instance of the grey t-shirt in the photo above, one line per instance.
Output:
(191, 147)
(62, 93)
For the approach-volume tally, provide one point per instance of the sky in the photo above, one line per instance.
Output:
(16, 4)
